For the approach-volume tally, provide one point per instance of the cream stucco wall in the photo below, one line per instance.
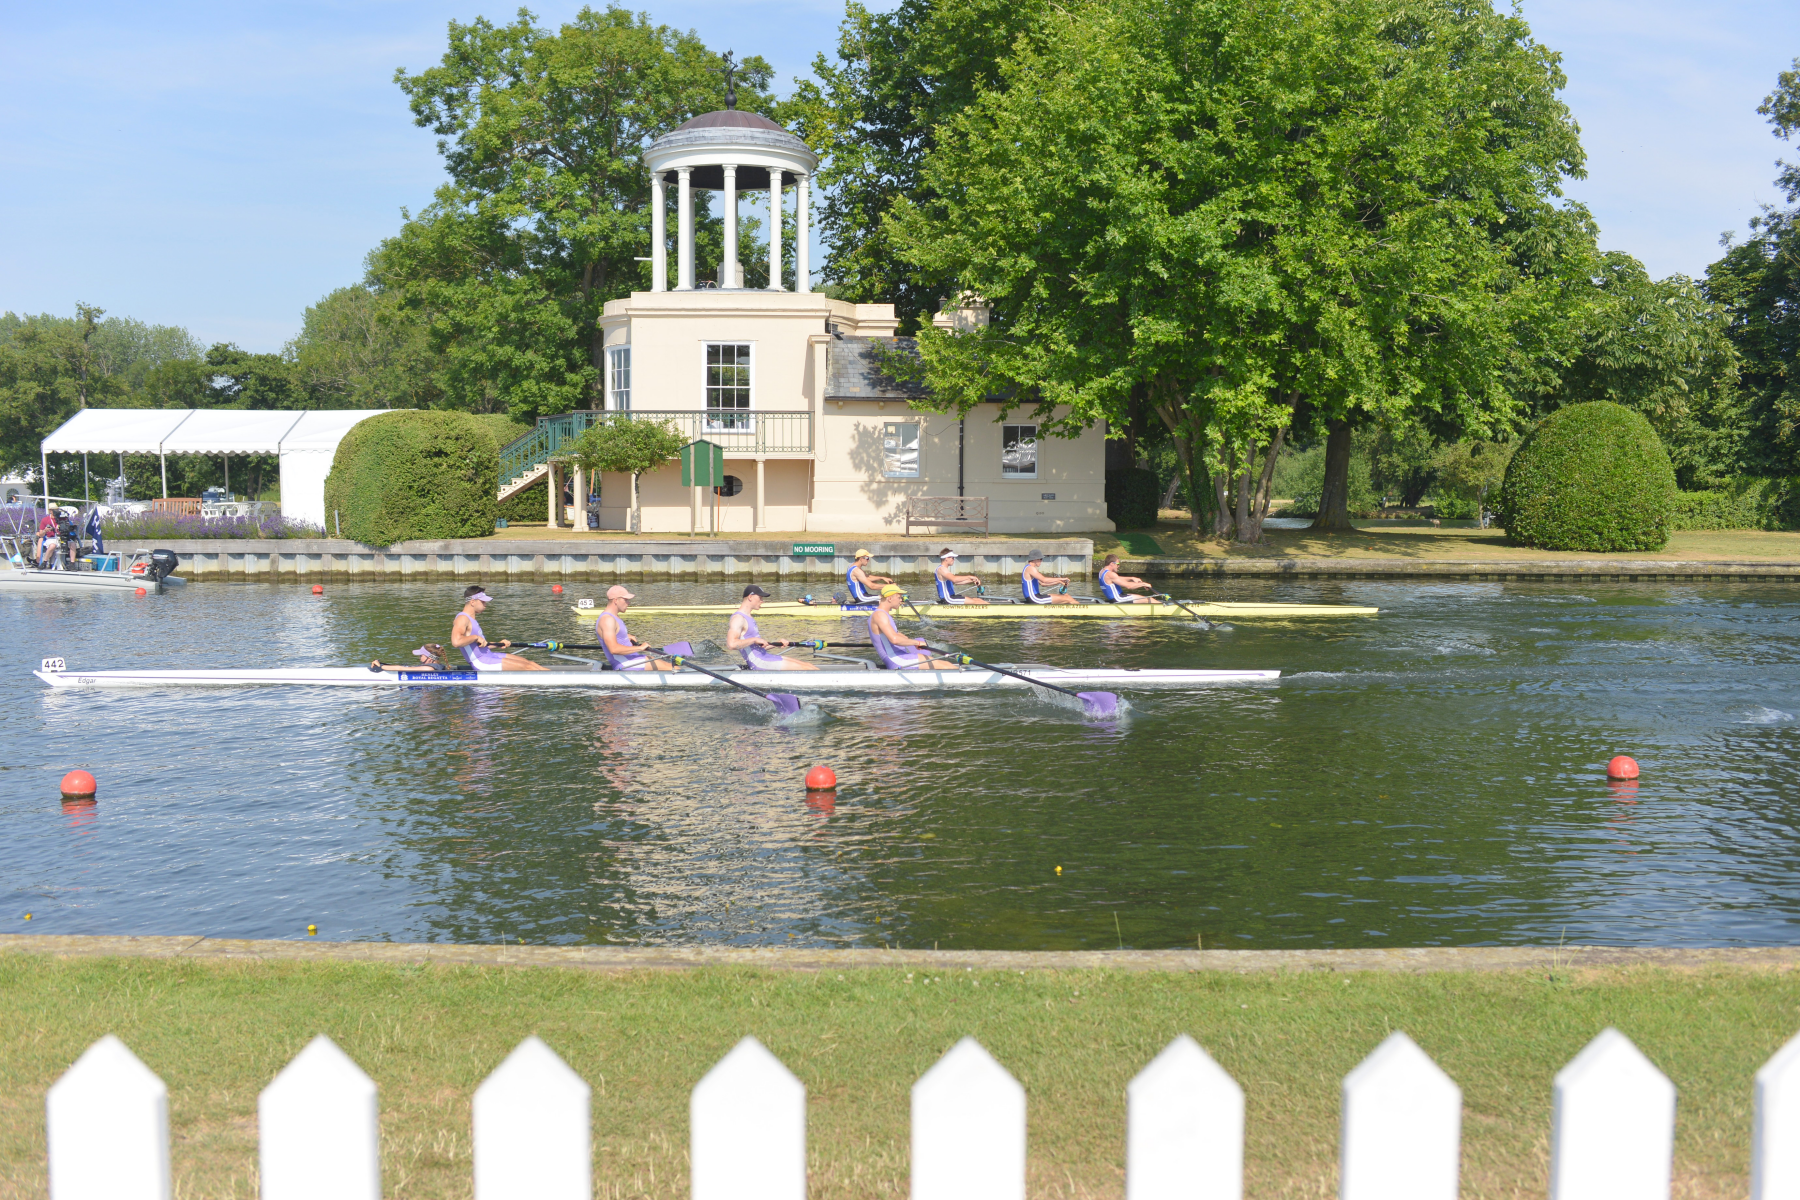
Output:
(839, 487)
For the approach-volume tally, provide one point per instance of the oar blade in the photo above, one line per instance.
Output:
(683, 649)
(1100, 704)
(785, 703)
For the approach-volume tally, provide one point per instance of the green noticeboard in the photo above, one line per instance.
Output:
(702, 465)
(815, 550)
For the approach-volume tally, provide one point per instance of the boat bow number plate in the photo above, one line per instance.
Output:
(54, 664)
(584, 604)
(815, 550)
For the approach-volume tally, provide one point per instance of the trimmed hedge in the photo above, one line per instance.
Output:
(1590, 477)
(1744, 503)
(1132, 498)
(414, 474)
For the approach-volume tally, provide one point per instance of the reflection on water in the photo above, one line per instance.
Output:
(1432, 776)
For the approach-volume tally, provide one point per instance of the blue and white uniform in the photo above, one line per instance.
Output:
(482, 658)
(854, 591)
(628, 662)
(946, 592)
(892, 656)
(1109, 585)
(755, 657)
(1029, 586)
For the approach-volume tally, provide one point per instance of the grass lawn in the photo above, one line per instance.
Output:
(217, 1031)
(1427, 544)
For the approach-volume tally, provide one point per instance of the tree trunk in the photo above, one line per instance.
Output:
(1250, 524)
(1222, 524)
(1334, 495)
(634, 518)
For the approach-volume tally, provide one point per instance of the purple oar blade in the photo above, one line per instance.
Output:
(785, 704)
(1101, 704)
(684, 649)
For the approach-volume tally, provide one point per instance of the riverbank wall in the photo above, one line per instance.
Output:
(1555, 570)
(606, 560)
(1404, 960)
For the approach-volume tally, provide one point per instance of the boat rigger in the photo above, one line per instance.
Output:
(834, 678)
(1187, 610)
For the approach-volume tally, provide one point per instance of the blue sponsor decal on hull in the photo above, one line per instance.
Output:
(436, 676)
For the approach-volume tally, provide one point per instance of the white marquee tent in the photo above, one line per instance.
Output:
(306, 442)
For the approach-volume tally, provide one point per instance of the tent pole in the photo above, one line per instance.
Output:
(44, 457)
(85, 497)
(165, 472)
(228, 477)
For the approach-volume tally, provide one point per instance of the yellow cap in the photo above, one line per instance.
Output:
(862, 554)
(892, 589)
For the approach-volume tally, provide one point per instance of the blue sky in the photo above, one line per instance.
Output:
(222, 166)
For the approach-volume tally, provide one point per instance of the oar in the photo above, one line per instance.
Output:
(1167, 599)
(677, 653)
(1102, 704)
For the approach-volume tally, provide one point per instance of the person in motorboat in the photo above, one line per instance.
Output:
(743, 637)
(68, 539)
(466, 635)
(947, 579)
(623, 653)
(1113, 585)
(860, 584)
(896, 651)
(45, 539)
(1036, 585)
(431, 658)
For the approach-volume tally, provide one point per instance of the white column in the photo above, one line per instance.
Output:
(659, 236)
(774, 229)
(802, 236)
(728, 268)
(684, 232)
(760, 523)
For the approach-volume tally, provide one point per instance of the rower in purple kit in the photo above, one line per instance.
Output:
(622, 652)
(466, 635)
(1113, 584)
(947, 579)
(743, 637)
(896, 651)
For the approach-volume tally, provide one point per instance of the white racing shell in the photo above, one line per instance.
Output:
(829, 679)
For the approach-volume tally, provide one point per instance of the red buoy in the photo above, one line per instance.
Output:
(318, 589)
(821, 778)
(1622, 768)
(142, 592)
(79, 783)
(556, 589)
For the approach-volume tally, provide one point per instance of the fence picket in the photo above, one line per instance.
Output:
(533, 1138)
(1402, 1132)
(1612, 1134)
(319, 1128)
(106, 1122)
(1184, 1128)
(747, 1121)
(968, 1129)
(1775, 1140)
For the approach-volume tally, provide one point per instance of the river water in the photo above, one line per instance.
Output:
(1431, 776)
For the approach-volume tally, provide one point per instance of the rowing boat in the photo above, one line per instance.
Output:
(834, 678)
(1215, 610)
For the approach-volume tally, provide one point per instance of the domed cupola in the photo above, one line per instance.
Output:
(728, 151)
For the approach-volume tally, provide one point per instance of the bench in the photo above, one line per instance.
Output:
(947, 512)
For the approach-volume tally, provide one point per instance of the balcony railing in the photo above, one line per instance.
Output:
(743, 433)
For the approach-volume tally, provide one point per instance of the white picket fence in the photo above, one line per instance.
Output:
(1612, 1138)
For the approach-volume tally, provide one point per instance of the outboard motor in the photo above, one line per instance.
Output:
(163, 563)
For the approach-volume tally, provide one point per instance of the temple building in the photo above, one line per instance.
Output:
(816, 436)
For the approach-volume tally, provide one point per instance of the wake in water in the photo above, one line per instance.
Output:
(809, 714)
(1766, 716)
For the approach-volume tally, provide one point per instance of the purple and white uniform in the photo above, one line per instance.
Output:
(482, 658)
(755, 657)
(890, 655)
(629, 662)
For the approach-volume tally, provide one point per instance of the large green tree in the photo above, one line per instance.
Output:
(1247, 218)
(547, 207)
(1758, 280)
(360, 347)
(872, 113)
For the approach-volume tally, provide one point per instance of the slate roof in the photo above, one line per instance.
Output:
(853, 370)
(731, 118)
